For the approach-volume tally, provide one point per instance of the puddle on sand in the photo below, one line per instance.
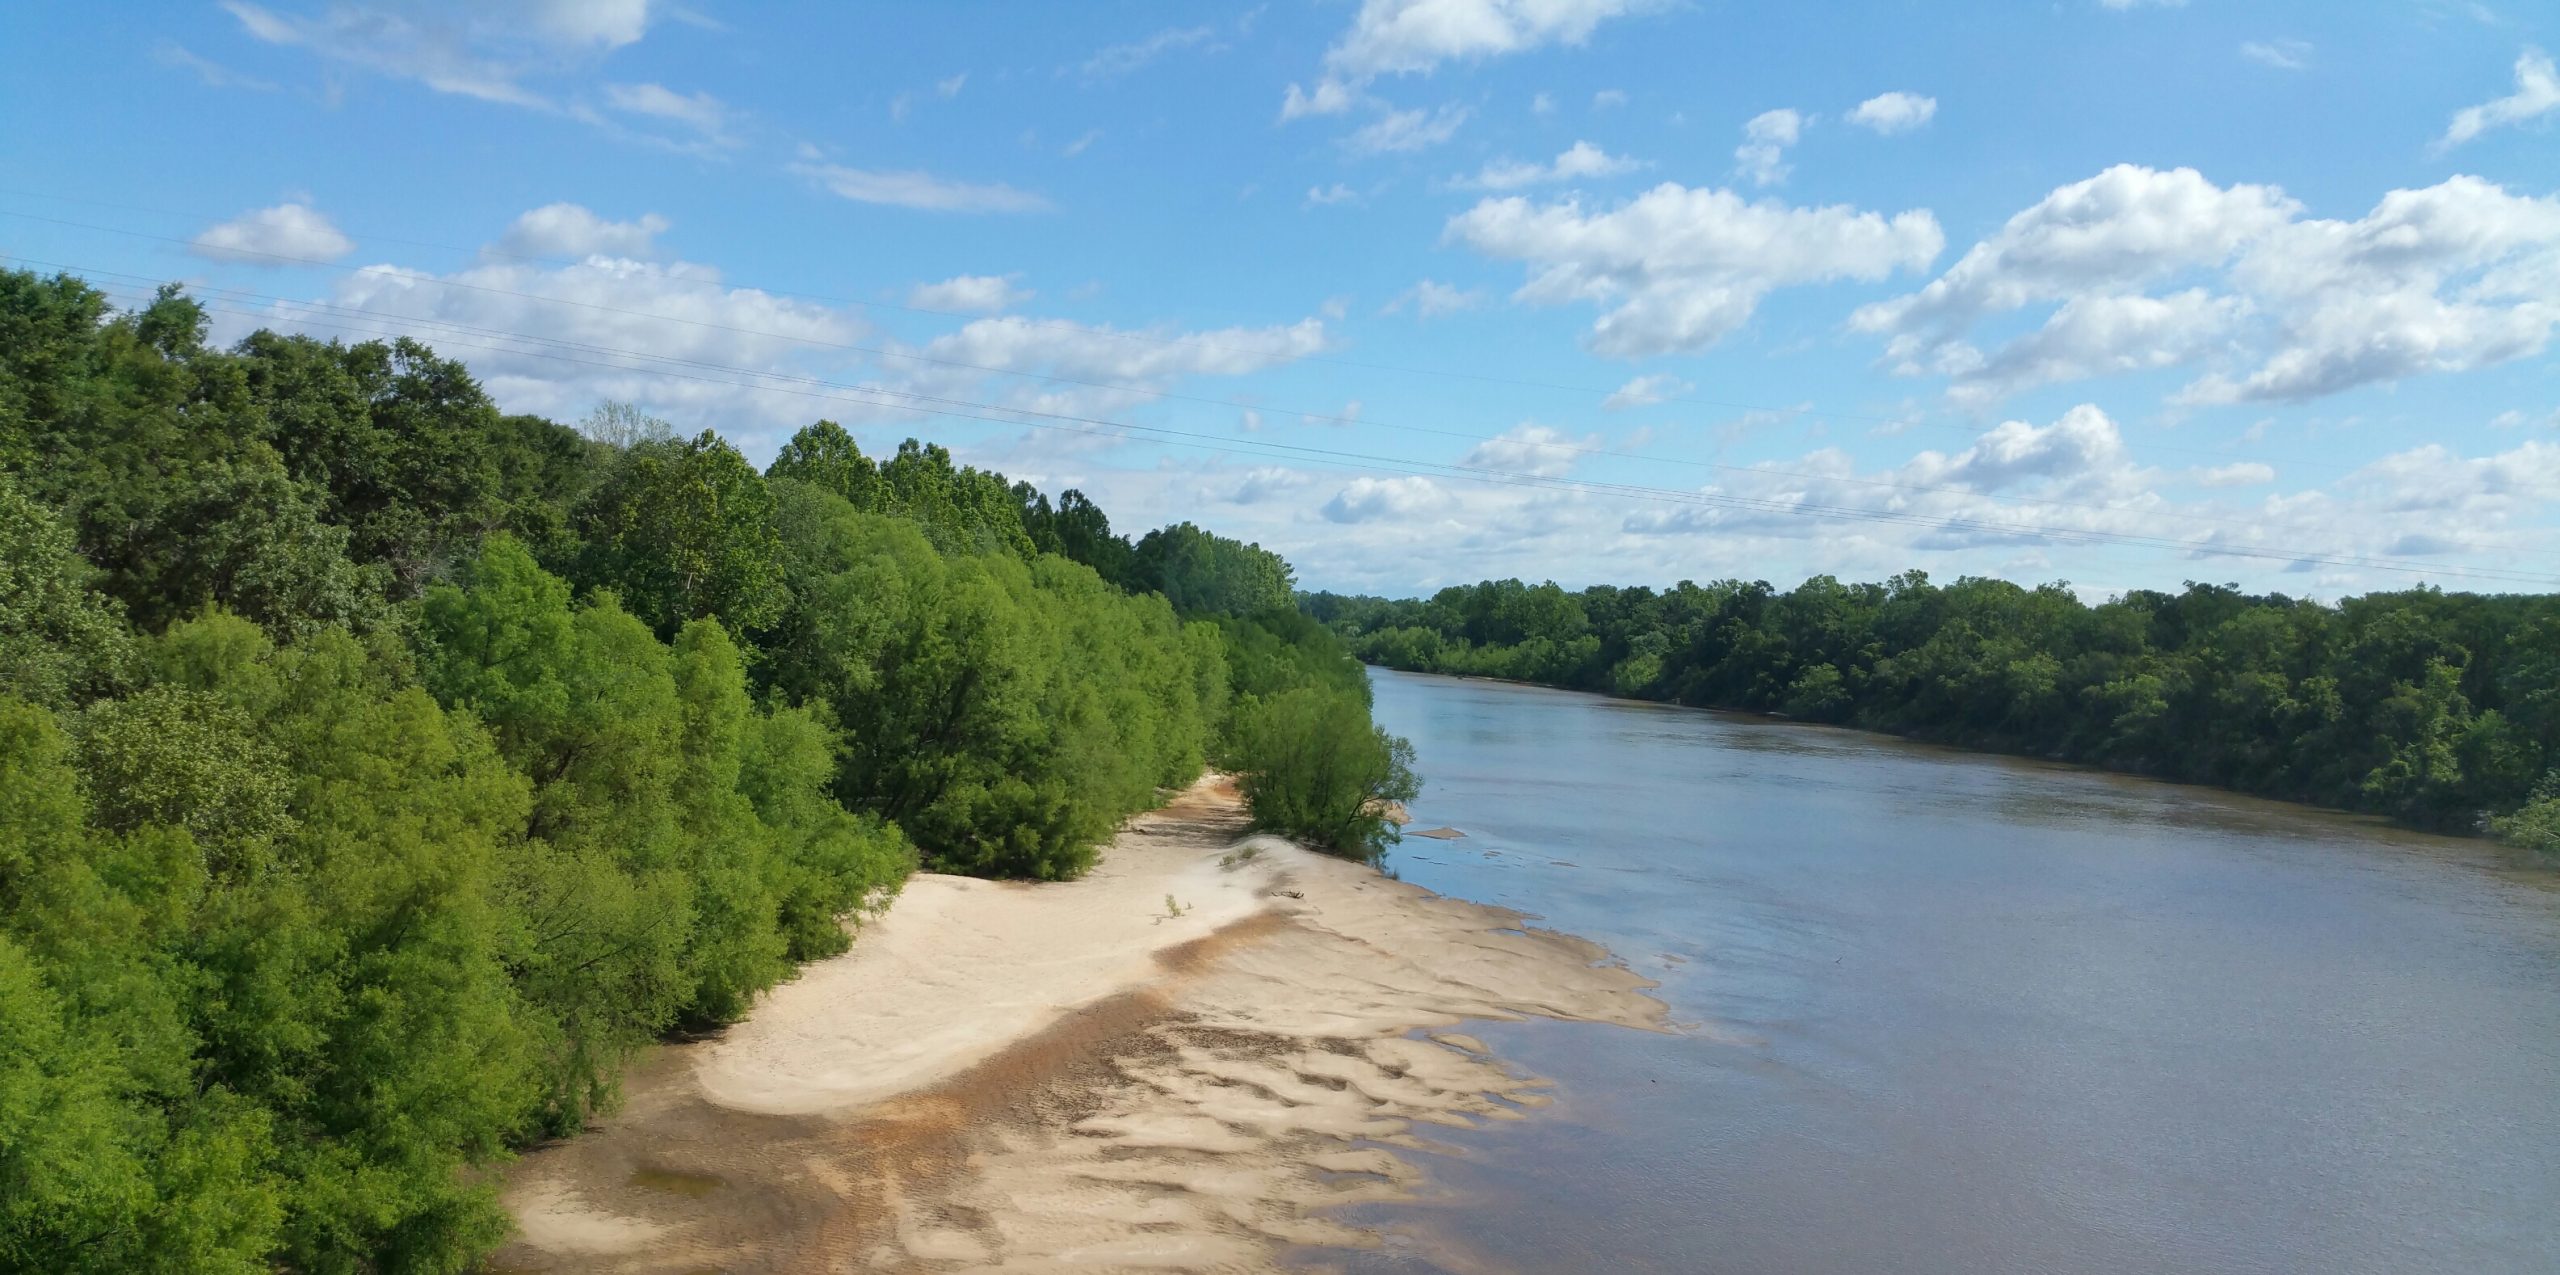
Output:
(676, 1181)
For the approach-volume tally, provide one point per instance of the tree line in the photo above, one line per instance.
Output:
(379, 772)
(2438, 709)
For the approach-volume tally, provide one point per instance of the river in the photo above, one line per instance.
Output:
(1952, 1013)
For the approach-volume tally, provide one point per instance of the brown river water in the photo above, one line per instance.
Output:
(1949, 1014)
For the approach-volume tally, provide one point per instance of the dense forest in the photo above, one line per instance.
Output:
(379, 772)
(2439, 709)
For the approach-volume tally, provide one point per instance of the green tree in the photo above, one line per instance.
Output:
(684, 531)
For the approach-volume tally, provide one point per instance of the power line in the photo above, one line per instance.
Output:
(1260, 449)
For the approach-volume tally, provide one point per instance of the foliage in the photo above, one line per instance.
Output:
(2435, 708)
(683, 530)
(1312, 766)
(379, 773)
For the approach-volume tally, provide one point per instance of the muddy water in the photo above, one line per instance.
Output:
(1963, 1014)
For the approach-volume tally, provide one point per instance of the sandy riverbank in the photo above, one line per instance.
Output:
(1078, 1076)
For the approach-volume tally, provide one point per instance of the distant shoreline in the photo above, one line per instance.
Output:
(1182, 1059)
(2522, 859)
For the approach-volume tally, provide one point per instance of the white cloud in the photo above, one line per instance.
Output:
(2448, 491)
(2243, 473)
(212, 73)
(701, 112)
(1765, 140)
(2125, 226)
(570, 230)
(1431, 299)
(1269, 482)
(949, 87)
(1091, 370)
(1399, 37)
(2283, 55)
(1376, 499)
(918, 190)
(2537, 94)
(1607, 98)
(2098, 334)
(484, 49)
(2022, 502)
(1337, 193)
(1578, 161)
(1329, 98)
(285, 235)
(2456, 276)
(679, 315)
(1078, 146)
(970, 293)
(1402, 131)
(1679, 268)
(1894, 112)
(1543, 104)
(1121, 59)
(1645, 391)
(1529, 448)
(2452, 277)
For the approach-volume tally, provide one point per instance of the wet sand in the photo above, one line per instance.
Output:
(1081, 1076)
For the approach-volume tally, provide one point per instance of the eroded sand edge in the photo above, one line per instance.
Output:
(1080, 1076)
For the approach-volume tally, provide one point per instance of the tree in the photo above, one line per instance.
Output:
(683, 531)
(1311, 765)
(61, 641)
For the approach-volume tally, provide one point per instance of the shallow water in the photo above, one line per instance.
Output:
(1956, 1013)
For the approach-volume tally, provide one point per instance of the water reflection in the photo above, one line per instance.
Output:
(1967, 1014)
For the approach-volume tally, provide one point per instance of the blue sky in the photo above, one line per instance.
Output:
(1424, 291)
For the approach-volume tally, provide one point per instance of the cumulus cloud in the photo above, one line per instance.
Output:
(1530, 448)
(571, 230)
(1398, 37)
(610, 327)
(918, 190)
(1607, 98)
(285, 235)
(2028, 502)
(2452, 277)
(1894, 112)
(971, 293)
(1678, 268)
(1401, 131)
(1086, 370)
(1269, 482)
(1337, 193)
(2537, 94)
(1431, 299)
(1765, 140)
(1578, 161)
(1328, 98)
(1375, 499)
(1645, 391)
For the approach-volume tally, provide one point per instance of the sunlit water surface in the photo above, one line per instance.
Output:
(1954, 1013)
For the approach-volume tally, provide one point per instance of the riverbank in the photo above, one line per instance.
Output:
(1178, 1062)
